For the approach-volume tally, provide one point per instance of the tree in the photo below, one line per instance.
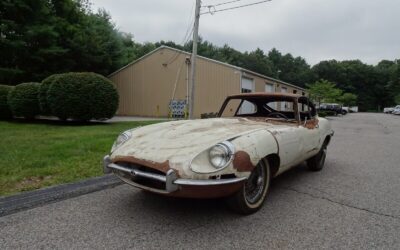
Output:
(42, 37)
(348, 99)
(324, 91)
(397, 99)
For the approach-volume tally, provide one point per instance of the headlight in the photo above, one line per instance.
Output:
(121, 139)
(221, 154)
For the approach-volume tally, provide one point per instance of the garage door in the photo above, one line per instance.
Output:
(247, 87)
(285, 105)
(269, 88)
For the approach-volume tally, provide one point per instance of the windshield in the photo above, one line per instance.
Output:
(259, 107)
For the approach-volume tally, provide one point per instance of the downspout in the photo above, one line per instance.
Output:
(240, 81)
(187, 80)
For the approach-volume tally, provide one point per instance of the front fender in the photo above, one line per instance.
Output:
(252, 148)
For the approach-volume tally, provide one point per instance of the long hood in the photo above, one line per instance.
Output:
(180, 141)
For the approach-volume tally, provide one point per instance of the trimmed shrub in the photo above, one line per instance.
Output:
(322, 114)
(209, 115)
(326, 113)
(23, 100)
(44, 87)
(5, 112)
(82, 96)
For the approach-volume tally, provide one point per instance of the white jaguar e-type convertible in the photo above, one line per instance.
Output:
(256, 137)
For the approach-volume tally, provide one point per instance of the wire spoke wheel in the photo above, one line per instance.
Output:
(254, 186)
(253, 193)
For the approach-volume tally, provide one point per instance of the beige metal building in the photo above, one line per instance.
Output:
(147, 85)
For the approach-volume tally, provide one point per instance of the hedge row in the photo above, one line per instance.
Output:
(77, 96)
(5, 111)
(23, 100)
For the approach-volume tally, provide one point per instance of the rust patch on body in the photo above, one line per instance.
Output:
(212, 191)
(163, 166)
(311, 124)
(242, 162)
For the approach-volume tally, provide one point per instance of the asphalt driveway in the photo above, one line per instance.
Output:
(353, 203)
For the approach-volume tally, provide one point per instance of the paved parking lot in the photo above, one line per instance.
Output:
(353, 203)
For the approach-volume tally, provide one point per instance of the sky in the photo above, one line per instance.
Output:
(316, 30)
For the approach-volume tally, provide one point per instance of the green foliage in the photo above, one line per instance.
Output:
(322, 114)
(5, 112)
(348, 99)
(284, 67)
(43, 37)
(324, 91)
(35, 155)
(397, 99)
(43, 89)
(82, 96)
(326, 113)
(208, 115)
(23, 100)
(375, 86)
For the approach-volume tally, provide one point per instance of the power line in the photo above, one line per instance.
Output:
(231, 8)
(219, 4)
(186, 38)
(177, 53)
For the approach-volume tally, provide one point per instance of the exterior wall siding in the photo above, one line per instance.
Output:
(214, 82)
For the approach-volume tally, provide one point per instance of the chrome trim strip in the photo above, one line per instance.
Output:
(170, 179)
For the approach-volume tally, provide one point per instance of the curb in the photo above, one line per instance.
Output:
(31, 199)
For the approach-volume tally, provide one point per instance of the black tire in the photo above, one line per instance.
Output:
(250, 198)
(317, 162)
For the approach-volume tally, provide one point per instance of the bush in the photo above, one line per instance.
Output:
(44, 87)
(82, 96)
(5, 112)
(208, 115)
(325, 113)
(23, 100)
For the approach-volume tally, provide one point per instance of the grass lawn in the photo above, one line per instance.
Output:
(39, 154)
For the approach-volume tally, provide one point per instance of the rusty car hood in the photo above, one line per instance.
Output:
(177, 142)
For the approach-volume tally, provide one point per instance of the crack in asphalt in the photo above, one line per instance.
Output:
(339, 203)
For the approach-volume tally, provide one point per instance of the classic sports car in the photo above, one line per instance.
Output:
(257, 136)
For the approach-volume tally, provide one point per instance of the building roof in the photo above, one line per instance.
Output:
(207, 59)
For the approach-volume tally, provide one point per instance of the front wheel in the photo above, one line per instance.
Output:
(250, 198)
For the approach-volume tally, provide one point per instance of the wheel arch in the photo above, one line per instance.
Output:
(274, 162)
(327, 140)
(252, 148)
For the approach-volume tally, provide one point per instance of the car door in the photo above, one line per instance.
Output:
(308, 128)
(289, 151)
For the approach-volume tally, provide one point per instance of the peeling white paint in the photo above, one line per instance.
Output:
(179, 142)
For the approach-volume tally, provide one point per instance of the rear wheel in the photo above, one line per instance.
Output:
(317, 162)
(252, 195)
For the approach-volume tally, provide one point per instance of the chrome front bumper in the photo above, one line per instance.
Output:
(172, 182)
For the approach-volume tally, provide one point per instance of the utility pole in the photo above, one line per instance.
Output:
(193, 59)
